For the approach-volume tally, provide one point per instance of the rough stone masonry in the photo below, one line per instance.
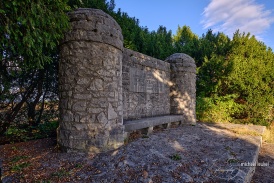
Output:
(101, 84)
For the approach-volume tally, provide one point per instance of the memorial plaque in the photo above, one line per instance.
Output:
(144, 81)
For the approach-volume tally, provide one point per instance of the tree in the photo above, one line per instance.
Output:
(159, 43)
(235, 80)
(213, 64)
(185, 41)
(29, 35)
(31, 30)
(107, 7)
(252, 77)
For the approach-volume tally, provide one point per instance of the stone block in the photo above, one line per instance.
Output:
(111, 113)
(102, 118)
(79, 106)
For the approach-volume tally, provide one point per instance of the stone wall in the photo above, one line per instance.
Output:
(101, 84)
(145, 86)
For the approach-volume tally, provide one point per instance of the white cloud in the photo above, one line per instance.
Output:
(246, 15)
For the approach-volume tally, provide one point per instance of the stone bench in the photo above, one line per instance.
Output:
(147, 124)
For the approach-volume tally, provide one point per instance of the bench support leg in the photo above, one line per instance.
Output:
(126, 136)
(167, 125)
(147, 131)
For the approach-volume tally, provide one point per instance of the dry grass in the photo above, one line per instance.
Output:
(245, 131)
(268, 136)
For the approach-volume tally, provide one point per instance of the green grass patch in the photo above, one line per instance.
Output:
(232, 161)
(78, 165)
(175, 157)
(18, 158)
(19, 167)
(145, 136)
(60, 173)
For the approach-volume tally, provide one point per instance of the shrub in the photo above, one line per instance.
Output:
(24, 132)
(218, 109)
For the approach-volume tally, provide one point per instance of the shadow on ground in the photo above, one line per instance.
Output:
(201, 153)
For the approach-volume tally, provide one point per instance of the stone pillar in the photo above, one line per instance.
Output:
(183, 86)
(90, 84)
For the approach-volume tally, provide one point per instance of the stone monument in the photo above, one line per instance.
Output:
(98, 77)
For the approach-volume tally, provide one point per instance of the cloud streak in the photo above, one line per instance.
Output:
(227, 16)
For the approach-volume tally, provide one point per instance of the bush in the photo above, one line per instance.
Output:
(24, 132)
(218, 109)
(236, 85)
(16, 134)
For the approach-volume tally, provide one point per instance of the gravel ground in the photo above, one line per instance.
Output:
(201, 153)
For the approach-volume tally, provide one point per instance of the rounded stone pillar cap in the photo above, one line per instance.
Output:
(88, 24)
(181, 62)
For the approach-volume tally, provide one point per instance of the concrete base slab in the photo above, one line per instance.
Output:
(201, 153)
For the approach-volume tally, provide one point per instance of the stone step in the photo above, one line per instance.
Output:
(252, 134)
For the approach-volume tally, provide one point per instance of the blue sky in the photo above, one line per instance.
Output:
(254, 16)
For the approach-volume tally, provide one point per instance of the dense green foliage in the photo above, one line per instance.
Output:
(30, 32)
(25, 132)
(235, 80)
(252, 78)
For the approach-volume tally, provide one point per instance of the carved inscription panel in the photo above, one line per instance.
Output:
(146, 81)
(145, 86)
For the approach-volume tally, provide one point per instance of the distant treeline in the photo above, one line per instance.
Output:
(235, 77)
